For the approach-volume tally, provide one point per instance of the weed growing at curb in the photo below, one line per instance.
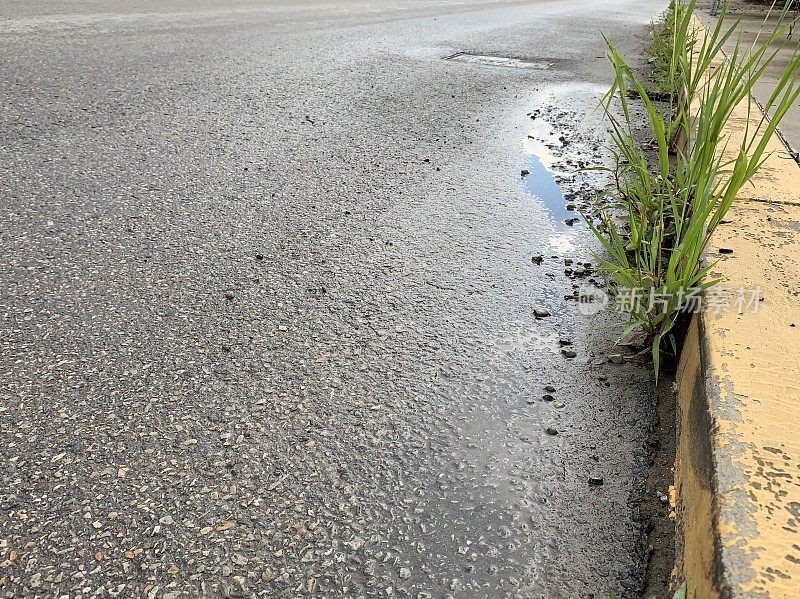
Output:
(663, 82)
(670, 207)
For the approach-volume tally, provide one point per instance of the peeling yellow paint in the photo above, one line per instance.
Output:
(754, 376)
(739, 398)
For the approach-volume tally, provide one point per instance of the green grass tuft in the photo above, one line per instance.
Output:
(672, 205)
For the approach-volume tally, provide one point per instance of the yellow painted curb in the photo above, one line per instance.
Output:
(737, 469)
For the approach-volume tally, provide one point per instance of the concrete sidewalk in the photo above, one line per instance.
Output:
(755, 26)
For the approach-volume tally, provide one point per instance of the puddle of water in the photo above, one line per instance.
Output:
(562, 242)
(542, 141)
(541, 145)
(541, 183)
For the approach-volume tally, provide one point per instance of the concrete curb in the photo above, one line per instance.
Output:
(737, 470)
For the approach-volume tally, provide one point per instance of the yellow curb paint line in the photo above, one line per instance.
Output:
(737, 469)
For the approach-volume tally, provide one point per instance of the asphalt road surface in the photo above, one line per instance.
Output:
(267, 315)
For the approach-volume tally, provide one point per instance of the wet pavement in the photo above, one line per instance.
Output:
(269, 279)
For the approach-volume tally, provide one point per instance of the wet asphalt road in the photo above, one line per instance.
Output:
(267, 305)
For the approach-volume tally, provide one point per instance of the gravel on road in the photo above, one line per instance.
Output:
(268, 277)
